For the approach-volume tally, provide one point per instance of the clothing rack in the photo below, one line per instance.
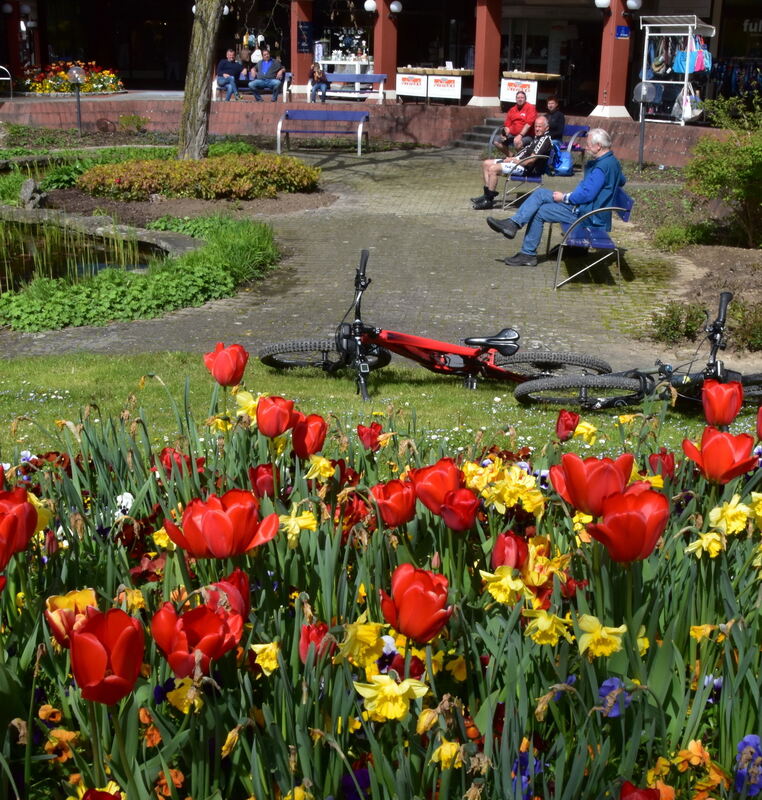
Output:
(672, 32)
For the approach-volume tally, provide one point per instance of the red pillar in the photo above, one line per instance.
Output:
(487, 53)
(615, 56)
(301, 11)
(12, 33)
(385, 44)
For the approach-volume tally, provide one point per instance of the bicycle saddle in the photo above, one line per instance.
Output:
(505, 342)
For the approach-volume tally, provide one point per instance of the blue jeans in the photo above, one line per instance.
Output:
(322, 88)
(229, 85)
(536, 210)
(265, 83)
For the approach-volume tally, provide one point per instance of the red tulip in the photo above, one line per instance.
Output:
(316, 635)
(396, 502)
(275, 415)
(100, 794)
(586, 484)
(662, 463)
(68, 613)
(566, 424)
(191, 641)
(759, 429)
(415, 670)
(509, 551)
(722, 456)
(458, 509)
(261, 480)
(308, 435)
(416, 607)
(183, 463)
(18, 520)
(231, 593)
(630, 792)
(223, 526)
(369, 436)
(632, 523)
(434, 482)
(106, 655)
(721, 401)
(227, 363)
(2, 477)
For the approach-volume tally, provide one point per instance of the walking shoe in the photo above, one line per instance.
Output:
(505, 226)
(521, 260)
(479, 198)
(483, 204)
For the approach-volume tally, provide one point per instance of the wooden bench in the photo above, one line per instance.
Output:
(243, 88)
(357, 86)
(578, 234)
(323, 122)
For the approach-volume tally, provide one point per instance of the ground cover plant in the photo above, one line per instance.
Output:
(276, 606)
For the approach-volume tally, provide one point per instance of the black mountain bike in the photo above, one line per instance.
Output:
(631, 387)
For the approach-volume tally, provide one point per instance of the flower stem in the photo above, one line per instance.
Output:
(95, 738)
(127, 768)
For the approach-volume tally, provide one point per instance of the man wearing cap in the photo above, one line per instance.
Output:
(269, 75)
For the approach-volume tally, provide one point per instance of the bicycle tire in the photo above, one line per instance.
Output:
(572, 390)
(541, 364)
(317, 353)
(752, 388)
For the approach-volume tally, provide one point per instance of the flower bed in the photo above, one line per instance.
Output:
(278, 609)
(53, 79)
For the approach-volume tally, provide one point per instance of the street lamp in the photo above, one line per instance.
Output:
(76, 76)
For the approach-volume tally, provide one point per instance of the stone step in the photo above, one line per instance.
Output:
(468, 145)
(472, 136)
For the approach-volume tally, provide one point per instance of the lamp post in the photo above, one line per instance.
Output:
(76, 76)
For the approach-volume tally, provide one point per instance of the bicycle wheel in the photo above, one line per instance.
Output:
(584, 391)
(541, 364)
(319, 353)
(752, 388)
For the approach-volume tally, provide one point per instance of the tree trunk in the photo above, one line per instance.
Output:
(194, 125)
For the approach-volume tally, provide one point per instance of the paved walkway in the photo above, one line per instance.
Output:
(437, 270)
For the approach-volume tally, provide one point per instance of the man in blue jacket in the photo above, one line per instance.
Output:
(603, 177)
(270, 73)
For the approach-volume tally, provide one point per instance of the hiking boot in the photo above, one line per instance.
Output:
(521, 260)
(505, 226)
(484, 204)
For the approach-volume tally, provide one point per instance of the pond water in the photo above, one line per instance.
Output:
(49, 251)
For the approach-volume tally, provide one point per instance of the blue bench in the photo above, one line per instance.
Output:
(323, 122)
(356, 86)
(578, 234)
(516, 181)
(243, 88)
(570, 141)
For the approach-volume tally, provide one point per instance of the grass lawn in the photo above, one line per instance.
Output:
(37, 392)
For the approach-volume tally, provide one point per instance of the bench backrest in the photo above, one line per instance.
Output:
(349, 77)
(327, 116)
(570, 130)
(623, 200)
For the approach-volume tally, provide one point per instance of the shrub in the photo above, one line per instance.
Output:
(677, 235)
(132, 123)
(236, 252)
(732, 169)
(677, 322)
(748, 334)
(10, 186)
(231, 148)
(240, 177)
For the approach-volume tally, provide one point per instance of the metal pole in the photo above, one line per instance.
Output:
(79, 110)
(642, 136)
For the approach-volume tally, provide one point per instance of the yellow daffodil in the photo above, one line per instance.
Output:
(503, 586)
(478, 476)
(756, 508)
(642, 641)
(44, 513)
(701, 632)
(352, 724)
(362, 643)
(185, 696)
(597, 639)
(133, 599)
(362, 594)
(730, 517)
(427, 719)
(294, 523)
(267, 656)
(457, 668)
(161, 539)
(546, 628)
(231, 740)
(626, 419)
(659, 770)
(448, 755)
(20, 600)
(712, 543)
(219, 423)
(320, 469)
(579, 522)
(384, 698)
(539, 568)
(247, 404)
(587, 432)
(299, 793)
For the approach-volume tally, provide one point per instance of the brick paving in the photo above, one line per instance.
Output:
(437, 270)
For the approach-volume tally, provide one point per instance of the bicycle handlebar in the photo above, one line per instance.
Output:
(725, 298)
(364, 255)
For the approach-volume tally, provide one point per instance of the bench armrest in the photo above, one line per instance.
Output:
(581, 219)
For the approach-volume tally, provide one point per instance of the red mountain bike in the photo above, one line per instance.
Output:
(364, 347)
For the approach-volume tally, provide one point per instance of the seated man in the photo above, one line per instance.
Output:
(270, 73)
(228, 71)
(518, 125)
(603, 176)
(493, 168)
(556, 119)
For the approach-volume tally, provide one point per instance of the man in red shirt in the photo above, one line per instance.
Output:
(518, 128)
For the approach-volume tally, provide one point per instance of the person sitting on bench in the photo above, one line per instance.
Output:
(319, 82)
(269, 75)
(493, 168)
(603, 177)
(228, 71)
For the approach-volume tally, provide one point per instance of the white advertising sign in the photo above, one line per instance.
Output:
(445, 86)
(411, 85)
(509, 87)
